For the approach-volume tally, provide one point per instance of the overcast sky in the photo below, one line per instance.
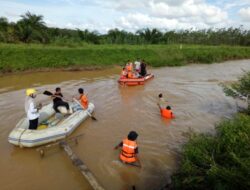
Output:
(132, 15)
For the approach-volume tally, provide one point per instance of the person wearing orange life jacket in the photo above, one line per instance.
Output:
(129, 148)
(83, 98)
(166, 112)
(129, 66)
(130, 75)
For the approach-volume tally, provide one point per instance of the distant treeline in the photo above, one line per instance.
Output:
(32, 29)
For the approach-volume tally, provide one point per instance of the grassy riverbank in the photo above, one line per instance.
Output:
(220, 162)
(20, 57)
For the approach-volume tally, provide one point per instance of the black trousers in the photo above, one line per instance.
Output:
(33, 124)
(60, 103)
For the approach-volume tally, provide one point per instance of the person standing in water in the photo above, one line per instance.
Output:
(166, 112)
(129, 151)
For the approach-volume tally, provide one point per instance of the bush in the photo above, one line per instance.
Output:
(220, 162)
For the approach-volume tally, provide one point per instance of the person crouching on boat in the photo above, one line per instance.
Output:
(58, 101)
(129, 148)
(30, 108)
(124, 73)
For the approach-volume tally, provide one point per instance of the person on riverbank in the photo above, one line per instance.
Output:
(129, 150)
(31, 109)
(58, 101)
(83, 98)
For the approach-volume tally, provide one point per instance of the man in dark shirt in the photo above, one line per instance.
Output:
(58, 101)
(143, 69)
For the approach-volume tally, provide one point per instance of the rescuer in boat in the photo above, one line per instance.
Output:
(137, 64)
(83, 98)
(58, 101)
(129, 150)
(31, 109)
(124, 73)
(143, 71)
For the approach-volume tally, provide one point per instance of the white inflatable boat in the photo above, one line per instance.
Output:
(49, 129)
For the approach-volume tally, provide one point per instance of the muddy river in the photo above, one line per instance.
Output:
(193, 92)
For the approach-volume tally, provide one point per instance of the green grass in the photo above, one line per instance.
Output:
(19, 57)
(217, 162)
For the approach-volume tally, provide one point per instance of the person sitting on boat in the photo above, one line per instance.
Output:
(137, 64)
(129, 150)
(58, 101)
(143, 71)
(130, 75)
(129, 66)
(124, 73)
(31, 109)
(166, 112)
(136, 74)
(83, 99)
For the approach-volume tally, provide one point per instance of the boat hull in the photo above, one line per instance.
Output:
(135, 81)
(24, 137)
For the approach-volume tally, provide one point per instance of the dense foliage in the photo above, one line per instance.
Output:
(32, 29)
(221, 162)
(240, 89)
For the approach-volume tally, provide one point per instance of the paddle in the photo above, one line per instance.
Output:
(48, 93)
(92, 117)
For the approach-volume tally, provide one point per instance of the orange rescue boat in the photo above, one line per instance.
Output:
(134, 81)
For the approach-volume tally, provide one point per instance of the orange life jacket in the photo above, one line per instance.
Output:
(128, 151)
(167, 114)
(84, 101)
(130, 75)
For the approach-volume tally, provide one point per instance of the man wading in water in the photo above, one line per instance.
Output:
(129, 150)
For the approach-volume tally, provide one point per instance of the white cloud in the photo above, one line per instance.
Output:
(192, 9)
(132, 15)
(136, 21)
(245, 14)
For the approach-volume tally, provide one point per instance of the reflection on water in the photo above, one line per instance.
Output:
(193, 92)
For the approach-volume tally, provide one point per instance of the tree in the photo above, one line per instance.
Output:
(31, 28)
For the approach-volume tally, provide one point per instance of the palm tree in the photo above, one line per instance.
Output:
(150, 36)
(31, 27)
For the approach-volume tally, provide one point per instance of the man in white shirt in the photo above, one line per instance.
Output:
(137, 65)
(31, 109)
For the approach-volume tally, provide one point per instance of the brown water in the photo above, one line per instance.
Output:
(192, 91)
